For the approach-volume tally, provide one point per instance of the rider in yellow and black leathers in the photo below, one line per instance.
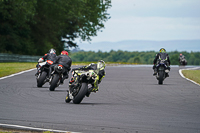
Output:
(99, 73)
(160, 56)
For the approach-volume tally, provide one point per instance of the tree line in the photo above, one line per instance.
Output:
(135, 57)
(32, 27)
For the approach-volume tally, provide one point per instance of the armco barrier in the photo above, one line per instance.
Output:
(18, 58)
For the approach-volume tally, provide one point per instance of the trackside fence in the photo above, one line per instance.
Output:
(4, 57)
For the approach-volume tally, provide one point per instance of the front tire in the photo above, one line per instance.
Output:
(54, 82)
(81, 94)
(40, 81)
(161, 77)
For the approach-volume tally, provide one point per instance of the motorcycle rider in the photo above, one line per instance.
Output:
(51, 55)
(162, 55)
(99, 69)
(66, 62)
(181, 56)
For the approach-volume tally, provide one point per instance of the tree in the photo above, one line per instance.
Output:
(174, 59)
(14, 27)
(33, 27)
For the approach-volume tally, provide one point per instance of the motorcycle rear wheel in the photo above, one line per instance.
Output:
(54, 82)
(161, 77)
(40, 81)
(81, 94)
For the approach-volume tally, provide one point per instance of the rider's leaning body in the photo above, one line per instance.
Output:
(181, 57)
(51, 55)
(64, 60)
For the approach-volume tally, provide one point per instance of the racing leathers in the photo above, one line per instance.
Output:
(161, 56)
(99, 74)
(181, 57)
(66, 62)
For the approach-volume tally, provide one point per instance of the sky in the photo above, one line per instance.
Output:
(157, 20)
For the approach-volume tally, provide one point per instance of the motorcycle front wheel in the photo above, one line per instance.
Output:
(40, 80)
(161, 77)
(54, 82)
(81, 94)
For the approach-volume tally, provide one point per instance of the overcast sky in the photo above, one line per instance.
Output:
(151, 20)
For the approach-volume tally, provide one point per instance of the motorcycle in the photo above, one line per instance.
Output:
(78, 88)
(162, 70)
(56, 76)
(43, 70)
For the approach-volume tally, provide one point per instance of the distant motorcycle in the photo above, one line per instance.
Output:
(78, 89)
(56, 76)
(43, 70)
(161, 71)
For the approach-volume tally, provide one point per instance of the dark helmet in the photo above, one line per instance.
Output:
(52, 51)
(162, 50)
(64, 53)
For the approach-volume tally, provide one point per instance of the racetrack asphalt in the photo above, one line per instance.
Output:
(129, 101)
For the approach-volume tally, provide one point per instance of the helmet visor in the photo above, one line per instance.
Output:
(162, 50)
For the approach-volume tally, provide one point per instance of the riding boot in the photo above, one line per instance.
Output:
(88, 94)
(155, 72)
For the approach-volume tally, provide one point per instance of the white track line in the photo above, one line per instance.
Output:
(180, 72)
(24, 127)
(33, 128)
(16, 74)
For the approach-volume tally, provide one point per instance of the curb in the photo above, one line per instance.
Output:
(181, 74)
(34, 128)
(24, 127)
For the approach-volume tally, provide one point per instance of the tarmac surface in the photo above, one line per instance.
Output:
(129, 101)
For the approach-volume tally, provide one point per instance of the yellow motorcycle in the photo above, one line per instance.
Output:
(78, 86)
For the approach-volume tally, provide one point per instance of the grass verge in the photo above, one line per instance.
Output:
(192, 74)
(14, 67)
(10, 68)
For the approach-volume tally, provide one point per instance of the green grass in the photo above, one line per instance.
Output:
(14, 67)
(10, 68)
(192, 74)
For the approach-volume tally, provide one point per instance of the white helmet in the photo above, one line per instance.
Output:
(101, 65)
(52, 51)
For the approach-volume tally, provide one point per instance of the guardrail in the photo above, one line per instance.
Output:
(4, 57)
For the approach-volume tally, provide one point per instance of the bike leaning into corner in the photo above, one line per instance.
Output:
(84, 81)
(61, 69)
(43, 70)
(44, 67)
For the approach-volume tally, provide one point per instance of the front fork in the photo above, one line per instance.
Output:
(70, 95)
(74, 86)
